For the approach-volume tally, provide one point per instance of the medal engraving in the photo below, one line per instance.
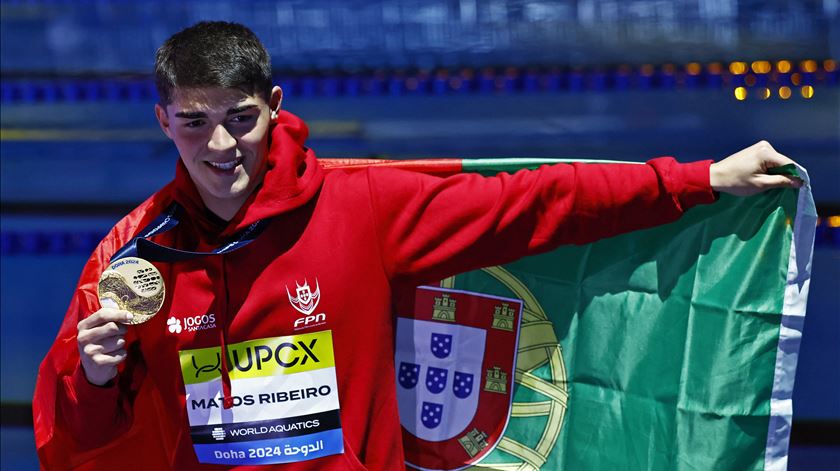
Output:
(134, 285)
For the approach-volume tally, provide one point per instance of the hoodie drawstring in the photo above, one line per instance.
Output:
(227, 398)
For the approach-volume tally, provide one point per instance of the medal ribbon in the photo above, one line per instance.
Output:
(141, 247)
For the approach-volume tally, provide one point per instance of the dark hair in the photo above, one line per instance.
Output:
(213, 54)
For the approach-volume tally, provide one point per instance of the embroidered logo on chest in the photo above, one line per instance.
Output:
(191, 323)
(305, 302)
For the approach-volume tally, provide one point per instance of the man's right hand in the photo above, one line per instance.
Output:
(101, 340)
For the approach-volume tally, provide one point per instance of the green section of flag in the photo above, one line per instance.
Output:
(665, 342)
(789, 170)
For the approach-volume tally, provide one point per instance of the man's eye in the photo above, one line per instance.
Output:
(194, 124)
(242, 118)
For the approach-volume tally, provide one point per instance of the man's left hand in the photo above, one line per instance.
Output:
(744, 173)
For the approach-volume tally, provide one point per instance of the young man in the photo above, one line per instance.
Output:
(161, 395)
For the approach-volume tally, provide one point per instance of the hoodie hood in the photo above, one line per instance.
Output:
(291, 179)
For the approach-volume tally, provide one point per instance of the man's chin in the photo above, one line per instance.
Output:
(228, 195)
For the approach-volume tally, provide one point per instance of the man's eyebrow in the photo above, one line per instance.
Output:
(201, 114)
(191, 114)
(240, 109)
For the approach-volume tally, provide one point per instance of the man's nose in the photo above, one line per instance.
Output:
(221, 140)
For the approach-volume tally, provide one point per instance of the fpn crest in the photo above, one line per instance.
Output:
(305, 300)
(454, 376)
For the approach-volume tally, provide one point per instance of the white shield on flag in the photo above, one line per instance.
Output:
(455, 360)
(435, 379)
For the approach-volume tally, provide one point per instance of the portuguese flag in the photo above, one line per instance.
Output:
(663, 349)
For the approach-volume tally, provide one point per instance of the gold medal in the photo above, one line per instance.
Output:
(134, 285)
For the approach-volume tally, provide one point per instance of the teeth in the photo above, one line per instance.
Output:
(225, 165)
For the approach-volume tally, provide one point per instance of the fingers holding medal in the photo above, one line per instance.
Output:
(102, 345)
(131, 291)
(134, 285)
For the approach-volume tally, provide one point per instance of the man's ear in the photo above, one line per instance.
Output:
(275, 100)
(163, 119)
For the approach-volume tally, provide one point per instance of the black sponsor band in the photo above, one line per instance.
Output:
(266, 429)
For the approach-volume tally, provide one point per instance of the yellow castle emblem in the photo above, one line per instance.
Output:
(444, 309)
(474, 441)
(496, 381)
(503, 317)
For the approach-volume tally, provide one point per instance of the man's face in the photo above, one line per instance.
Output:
(222, 137)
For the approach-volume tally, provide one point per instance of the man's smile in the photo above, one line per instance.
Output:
(226, 166)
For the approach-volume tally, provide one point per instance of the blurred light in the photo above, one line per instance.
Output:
(551, 81)
(783, 77)
(487, 82)
(576, 81)
(622, 77)
(741, 93)
(440, 81)
(783, 66)
(598, 79)
(511, 74)
(784, 93)
(764, 93)
(738, 68)
(761, 67)
(531, 82)
(693, 68)
(834, 221)
(808, 66)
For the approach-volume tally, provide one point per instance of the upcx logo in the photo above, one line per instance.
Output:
(207, 368)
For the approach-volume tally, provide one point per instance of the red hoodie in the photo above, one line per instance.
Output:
(306, 309)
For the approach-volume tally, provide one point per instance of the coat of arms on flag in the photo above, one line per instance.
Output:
(455, 359)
